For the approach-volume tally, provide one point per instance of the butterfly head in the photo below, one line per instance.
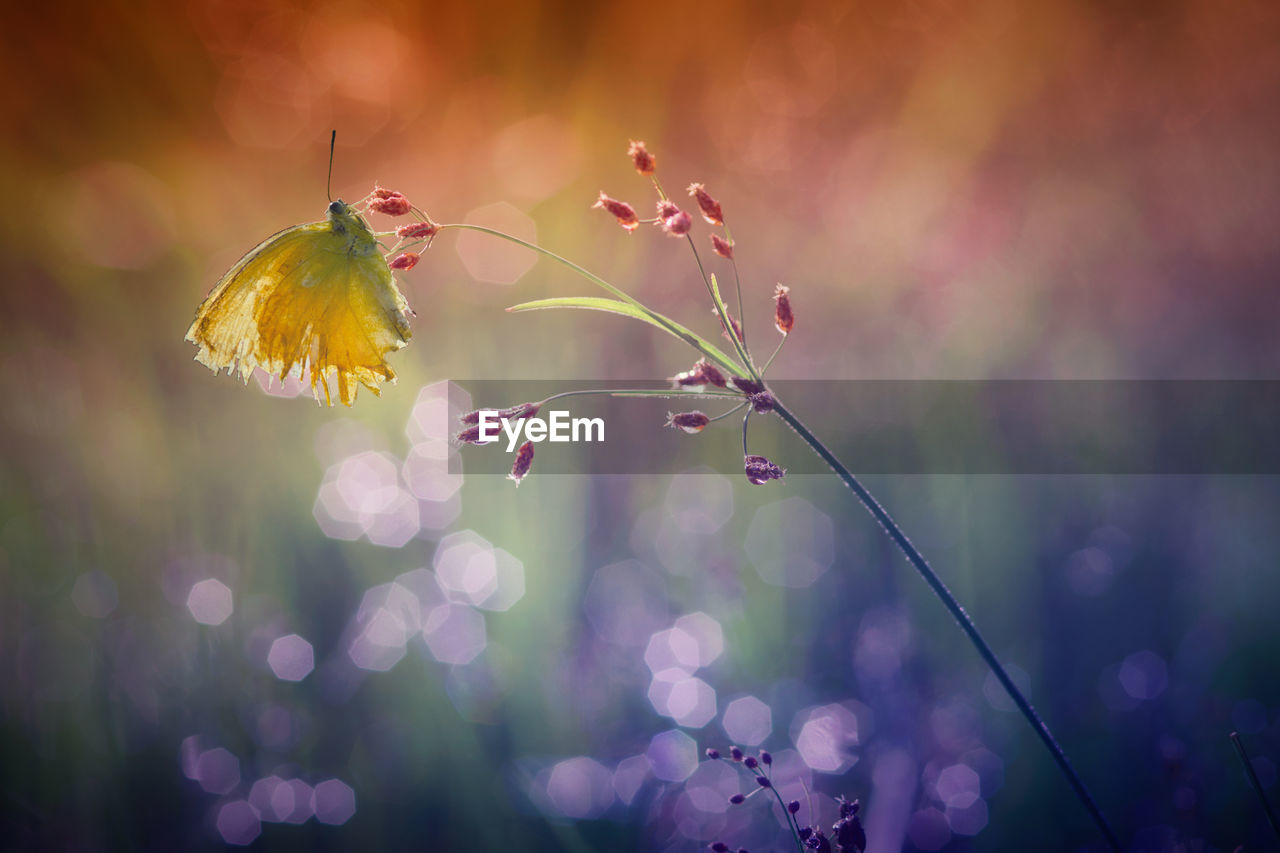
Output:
(346, 222)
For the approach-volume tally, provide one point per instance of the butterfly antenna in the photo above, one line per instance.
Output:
(328, 182)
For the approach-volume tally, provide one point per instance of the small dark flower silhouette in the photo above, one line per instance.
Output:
(524, 460)
(783, 317)
(690, 422)
(760, 470)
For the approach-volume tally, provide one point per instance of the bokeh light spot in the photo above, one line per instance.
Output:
(968, 819)
(707, 639)
(210, 602)
(291, 658)
(1144, 675)
(825, 737)
(333, 801)
(747, 721)
(217, 771)
(673, 755)
(426, 473)
(711, 786)
(497, 261)
(629, 776)
(929, 829)
(699, 502)
(671, 649)
(957, 785)
(472, 571)
(790, 542)
(238, 823)
(455, 634)
(689, 701)
(580, 787)
(388, 616)
(261, 797)
(361, 495)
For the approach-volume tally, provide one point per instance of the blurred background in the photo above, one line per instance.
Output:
(228, 616)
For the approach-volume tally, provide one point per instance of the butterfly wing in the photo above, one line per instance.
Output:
(314, 296)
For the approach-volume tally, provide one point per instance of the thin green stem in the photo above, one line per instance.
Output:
(792, 823)
(721, 417)
(737, 284)
(1256, 783)
(776, 350)
(953, 607)
(737, 281)
(722, 313)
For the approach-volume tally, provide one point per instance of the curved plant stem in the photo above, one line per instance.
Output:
(953, 607)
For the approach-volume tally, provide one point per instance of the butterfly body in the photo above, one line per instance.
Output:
(317, 296)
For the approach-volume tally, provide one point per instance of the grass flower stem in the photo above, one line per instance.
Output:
(739, 345)
(1256, 783)
(860, 491)
(958, 612)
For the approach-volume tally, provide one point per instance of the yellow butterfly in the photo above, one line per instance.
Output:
(317, 296)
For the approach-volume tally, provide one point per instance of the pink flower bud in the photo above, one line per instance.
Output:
(747, 386)
(515, 413)
(690, 422)
(417, 229)
(471, 435)
(645, 162)
(392, 205)
(762, 402)
(760, 470)
(524, 460)
(701, 374)
(722, 246)
(783, 317)
(666, 208)
(678, 224)
(709, 206)
(405, 261)
(625, 213)
(383, 192)
(710, 373)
